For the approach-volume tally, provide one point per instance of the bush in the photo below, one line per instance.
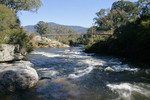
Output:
(11, 32)
(131, 40)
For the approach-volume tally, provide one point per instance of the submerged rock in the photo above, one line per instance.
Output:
(17, 76)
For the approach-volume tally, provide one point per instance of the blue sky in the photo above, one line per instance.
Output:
(66, 12)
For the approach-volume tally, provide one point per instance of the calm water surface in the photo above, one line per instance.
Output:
(70, 74)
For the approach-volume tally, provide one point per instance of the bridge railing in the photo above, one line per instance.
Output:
(107, 34)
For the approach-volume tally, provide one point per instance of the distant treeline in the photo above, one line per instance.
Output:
(130, 22)
(44, 28)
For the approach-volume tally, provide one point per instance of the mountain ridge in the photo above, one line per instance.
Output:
(79, 29)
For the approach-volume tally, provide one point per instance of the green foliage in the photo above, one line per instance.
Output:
(131, 37)
(84, 39)
(66, 39)
(8, 22)
(89, 30)
(8, 18)
(60, 29)
(72, 31)
(121, 13)
(27, 5)
(10, 31)
(131, 40)
(42, 28)
(70, 40)
(143, 7)
(112, 20)
(127, 6)
(19, 37)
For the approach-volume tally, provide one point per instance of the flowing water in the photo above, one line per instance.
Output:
(70, 74)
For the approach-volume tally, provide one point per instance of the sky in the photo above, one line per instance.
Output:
(66, 12)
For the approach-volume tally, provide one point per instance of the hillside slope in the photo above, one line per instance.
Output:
(79, 29)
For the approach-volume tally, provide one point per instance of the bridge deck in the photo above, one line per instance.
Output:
(76, 34)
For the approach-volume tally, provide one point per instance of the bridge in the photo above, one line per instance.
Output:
(93, 33)
(55, 35)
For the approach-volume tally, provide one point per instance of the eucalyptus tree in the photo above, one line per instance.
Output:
(61, 29)
(42, 28)
(115, 18)
(143, 6)
(72, 31)
(27, 5)
(127, 6)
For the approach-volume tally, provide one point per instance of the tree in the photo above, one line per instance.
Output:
(8, 18)
(100, 19)
(72, 31)
(102, 13)
(89, 30)
(42, 28)
(27, 5)
(127, 6)
(8, 22)
(143, 7)
(11, 32)
(121, 13)
(60, 29)
(116, 18)
(112, 20)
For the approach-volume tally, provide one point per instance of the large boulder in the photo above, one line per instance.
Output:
(9, 53)
(17, 76)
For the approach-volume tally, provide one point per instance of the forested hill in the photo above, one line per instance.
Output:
(79, 29)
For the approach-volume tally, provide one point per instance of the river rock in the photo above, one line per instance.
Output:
(109, 69)
(9, 53)
(43, 42)
(17, 76)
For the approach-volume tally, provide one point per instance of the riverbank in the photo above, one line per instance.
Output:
(43, 42)
(130, 40)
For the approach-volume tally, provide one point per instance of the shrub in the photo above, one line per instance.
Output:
(11, 32)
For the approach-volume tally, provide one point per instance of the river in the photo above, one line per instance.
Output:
(71, 74)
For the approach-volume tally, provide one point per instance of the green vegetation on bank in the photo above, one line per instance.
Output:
(70, 36)
(131, 25)
(44, 28)
(10, 30)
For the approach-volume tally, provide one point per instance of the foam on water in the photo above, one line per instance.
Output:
(46, 54)
(121, 68)
(47, 72)
(127, 90)
(80, 73)
(90, 63)
(91, 72)
(70, 55)
(147, 71)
